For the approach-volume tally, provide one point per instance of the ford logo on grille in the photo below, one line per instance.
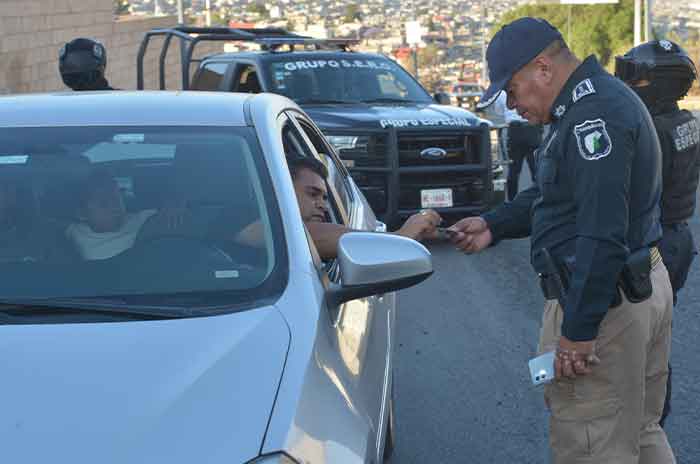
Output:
(433, 153)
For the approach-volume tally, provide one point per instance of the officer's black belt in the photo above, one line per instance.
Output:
(550, 283)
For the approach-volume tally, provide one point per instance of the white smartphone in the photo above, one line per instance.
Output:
(542, 368)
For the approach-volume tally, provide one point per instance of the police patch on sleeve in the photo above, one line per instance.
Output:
(593, 139)
(583, 88)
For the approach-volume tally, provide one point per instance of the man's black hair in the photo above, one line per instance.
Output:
(297, 163)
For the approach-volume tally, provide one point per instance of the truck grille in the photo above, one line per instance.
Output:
(392, 174)
(374, 188)
(374, 156)
(460, 149)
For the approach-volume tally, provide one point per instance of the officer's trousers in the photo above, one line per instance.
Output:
(611, 416)
(678, 250)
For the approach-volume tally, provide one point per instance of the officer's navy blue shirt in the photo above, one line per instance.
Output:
(597, 193)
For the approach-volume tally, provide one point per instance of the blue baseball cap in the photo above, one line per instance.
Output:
(514, 46)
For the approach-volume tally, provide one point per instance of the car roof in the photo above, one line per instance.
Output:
(301, 54)
(106, 108)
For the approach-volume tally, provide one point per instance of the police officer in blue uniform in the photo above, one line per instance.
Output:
(82, 64)
(661, 73)
(594, 220)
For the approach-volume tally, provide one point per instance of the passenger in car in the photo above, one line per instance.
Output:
(105, 228)
(309, 178)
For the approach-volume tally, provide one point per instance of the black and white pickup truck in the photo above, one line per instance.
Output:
(406, 150)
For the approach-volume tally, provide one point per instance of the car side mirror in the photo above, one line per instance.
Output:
(442, 98)
(375, 263)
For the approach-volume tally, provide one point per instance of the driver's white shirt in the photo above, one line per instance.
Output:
(102, 245)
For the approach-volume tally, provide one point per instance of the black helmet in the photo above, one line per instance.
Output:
(82, 64)
(666, 66)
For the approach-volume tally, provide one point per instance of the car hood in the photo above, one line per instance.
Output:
(329, 117)
(177, 391)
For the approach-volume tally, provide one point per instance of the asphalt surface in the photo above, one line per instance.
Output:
(464, 338)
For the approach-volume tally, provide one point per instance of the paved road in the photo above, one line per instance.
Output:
(464, 338)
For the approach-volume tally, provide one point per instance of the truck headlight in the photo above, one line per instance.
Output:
(349, 142)
(277, 458)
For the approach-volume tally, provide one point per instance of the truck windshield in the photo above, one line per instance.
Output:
(176, 216)
(343, 78)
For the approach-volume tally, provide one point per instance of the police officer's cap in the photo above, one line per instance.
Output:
(514, 46)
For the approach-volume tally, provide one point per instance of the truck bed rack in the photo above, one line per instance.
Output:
(270, 39)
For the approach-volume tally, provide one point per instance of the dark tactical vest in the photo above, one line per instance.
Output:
(679, 134)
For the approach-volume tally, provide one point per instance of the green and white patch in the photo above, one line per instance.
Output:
(593, 140)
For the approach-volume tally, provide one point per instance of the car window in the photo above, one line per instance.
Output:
(297, 144)
(337, 176)
(246, 79)
(183, 215)
(340, 78)
(210, 76)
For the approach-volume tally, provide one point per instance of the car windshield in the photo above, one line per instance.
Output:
(183, 216)
(341, 79)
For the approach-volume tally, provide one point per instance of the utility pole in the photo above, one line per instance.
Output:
(414, 52)
(484, 63)
(180, 14)
(208, 12)
(637, 22)
(647, 20)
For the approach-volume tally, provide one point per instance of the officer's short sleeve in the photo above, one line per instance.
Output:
(600, 147)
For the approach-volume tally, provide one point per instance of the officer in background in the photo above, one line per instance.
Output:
(593, 217)
(517, 141)
(523, 140)
(661, 73)
(82, 64)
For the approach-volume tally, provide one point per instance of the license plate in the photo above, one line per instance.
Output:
(436, 198)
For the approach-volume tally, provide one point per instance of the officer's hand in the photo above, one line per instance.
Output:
(421, 225)
(574, 358)
(471, 235)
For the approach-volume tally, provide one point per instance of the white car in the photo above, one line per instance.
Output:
(161, 299)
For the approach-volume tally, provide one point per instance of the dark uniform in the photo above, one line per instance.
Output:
(594, 220)
(82, 63)
(661, 73)
(594, 206)
(596, 196)
(679, 135)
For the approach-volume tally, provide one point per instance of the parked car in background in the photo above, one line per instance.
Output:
(162, 301)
